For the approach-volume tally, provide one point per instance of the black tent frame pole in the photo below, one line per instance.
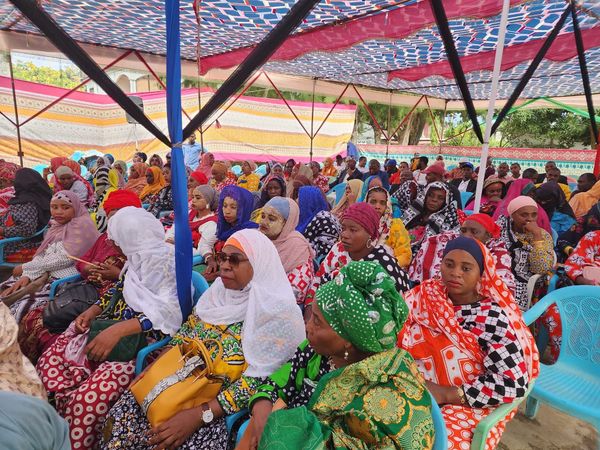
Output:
(585, 78)
(441, 21)
(257, 57)
(63, 42)
(531, 69)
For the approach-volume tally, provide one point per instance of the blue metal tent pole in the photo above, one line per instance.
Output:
(183, 236)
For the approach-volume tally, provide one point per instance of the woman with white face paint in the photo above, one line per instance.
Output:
(278, 221)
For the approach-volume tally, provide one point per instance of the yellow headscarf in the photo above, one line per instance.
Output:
(584, 201)
(158, 183)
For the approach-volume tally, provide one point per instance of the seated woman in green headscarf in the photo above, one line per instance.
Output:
(348, 385)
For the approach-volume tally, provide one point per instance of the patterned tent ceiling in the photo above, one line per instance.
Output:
(389, 44)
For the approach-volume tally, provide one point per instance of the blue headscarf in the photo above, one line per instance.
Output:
(365, 188)
(110, 157)
(245, 206)
(470, 246)
(311, 202)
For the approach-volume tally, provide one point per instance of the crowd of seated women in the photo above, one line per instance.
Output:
(340, 318)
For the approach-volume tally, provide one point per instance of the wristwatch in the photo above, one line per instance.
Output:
(207, 414)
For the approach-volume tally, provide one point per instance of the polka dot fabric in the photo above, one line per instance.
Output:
(362, 305)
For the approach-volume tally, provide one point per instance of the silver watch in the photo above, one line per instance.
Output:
(207, 414)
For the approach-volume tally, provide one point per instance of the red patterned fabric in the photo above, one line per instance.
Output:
(83, 392)
(450, 355)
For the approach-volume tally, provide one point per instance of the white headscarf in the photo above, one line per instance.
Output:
(150, 285)
(273, 325)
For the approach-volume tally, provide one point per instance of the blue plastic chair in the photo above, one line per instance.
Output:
(200, 286)
(441, 435)
(237, 170)
(55, 284)
(465, 197)
(197, 260)
(261, 171)
(554, 235)
(164, 214)
(572, 384)
(9, 240)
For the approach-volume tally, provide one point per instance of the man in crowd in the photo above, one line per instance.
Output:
(362, 165)
(553, 174)
(549, 166)
(466, 183)
(339, 163)
(139, 157)
(515, 170)
(375, 170)
(191, 152)
(419, 175)
(531, 174)
(503, 172)
(351, 172)
(584, 183)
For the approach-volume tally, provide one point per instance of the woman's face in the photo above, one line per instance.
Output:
(133, 174)
(494, 190)
(277, 170)
(460, 273)
(321, 336)
(192, 183)
(66, 180)
(524, 216)
(475, 230)
(354, 237)
(154, 161)
(167, 174)
(137, 159)
(274, 189)
(230, 209)
(314, 166)
(235, 276)
(435, 200)
(378, 200)
(271, 222)
(218, 175)
(61, 211)
(199, 202)
(118, 168)
(403, 166)
(149, 177)
(246, 169)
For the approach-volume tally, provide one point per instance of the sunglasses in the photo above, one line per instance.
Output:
(234, 259)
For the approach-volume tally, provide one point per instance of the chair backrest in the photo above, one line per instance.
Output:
(261, 170)
(554, 235)
(236, 170)
(339, 190)
(465, 197)
(441, 435)
(579, 308)
(200, 285)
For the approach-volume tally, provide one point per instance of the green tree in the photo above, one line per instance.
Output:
(68, 77)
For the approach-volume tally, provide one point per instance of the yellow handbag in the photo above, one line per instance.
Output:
(183, 378)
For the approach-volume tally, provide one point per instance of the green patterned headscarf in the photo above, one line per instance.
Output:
(362, 305)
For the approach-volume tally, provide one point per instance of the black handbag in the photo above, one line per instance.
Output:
(70, 301)
(128, 347)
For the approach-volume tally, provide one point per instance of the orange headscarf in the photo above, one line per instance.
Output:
(137, 184)
(157, 184)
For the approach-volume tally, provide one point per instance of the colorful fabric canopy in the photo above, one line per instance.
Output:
(388, 44)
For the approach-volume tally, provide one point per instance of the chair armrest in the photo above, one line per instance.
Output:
(5, 241)
(55, 284)
(164, 214)
(491, 420)
(233, 418)
(197, 259)
(143, 353)
(538, 309)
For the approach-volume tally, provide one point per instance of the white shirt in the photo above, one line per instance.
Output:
(464, 184)
(206, 244)
(362, 169)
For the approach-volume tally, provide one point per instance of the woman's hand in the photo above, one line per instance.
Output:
(82, 322)
(18, 271)
(170, 241)
(212, 269)
(175, 431)
(533, 229)
(20, 283)
(102, 345)
(261, 410)
(106, 271)
(444, 395)
(582, 280)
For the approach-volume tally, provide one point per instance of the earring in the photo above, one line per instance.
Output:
(345, 355)
(370, 243)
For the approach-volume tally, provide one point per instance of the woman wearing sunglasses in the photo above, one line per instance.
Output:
(235, 206)
(252, 311)
(279, 219)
